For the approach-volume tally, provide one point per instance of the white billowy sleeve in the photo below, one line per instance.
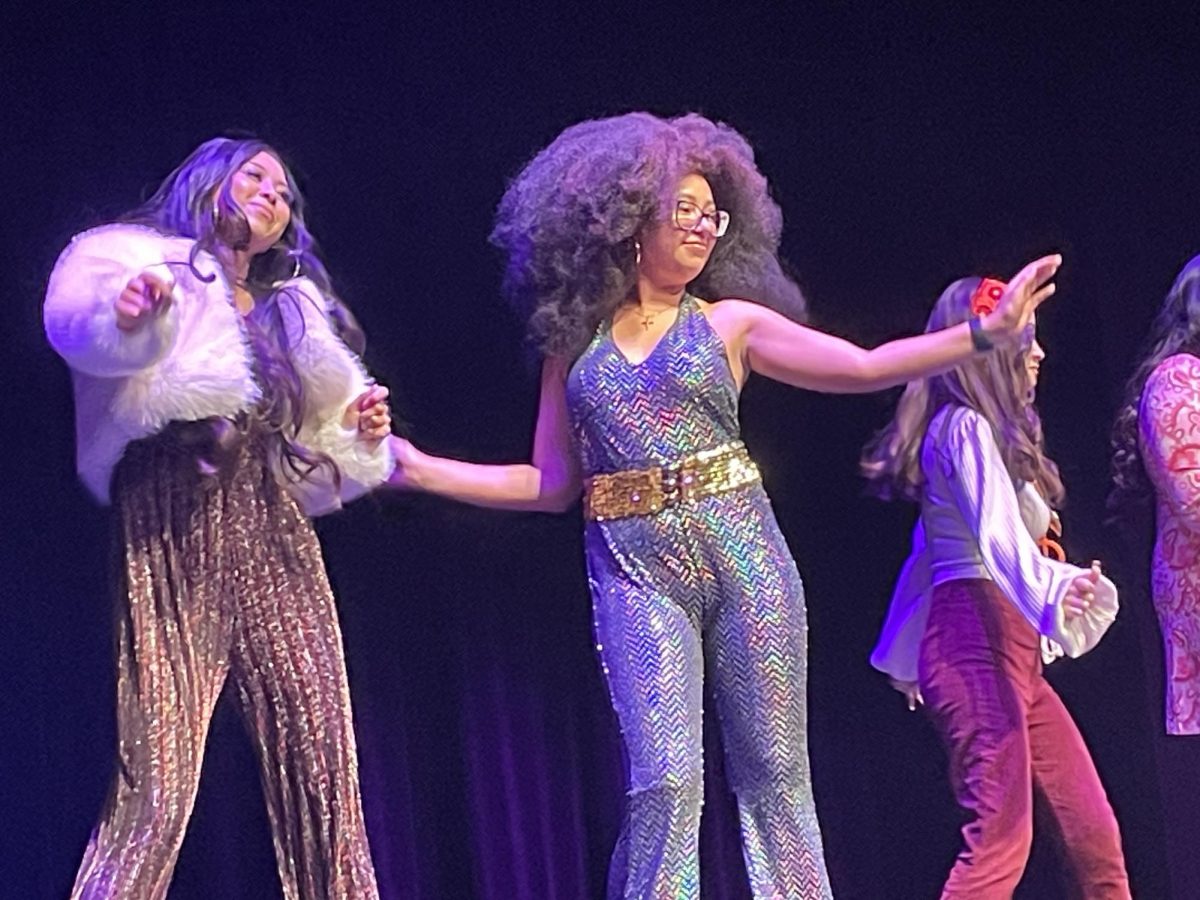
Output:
(79, 317)
(899, 645)
(987, 502)
(332, 376)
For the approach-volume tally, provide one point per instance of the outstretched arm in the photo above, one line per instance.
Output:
(773, 345)
(550, 482)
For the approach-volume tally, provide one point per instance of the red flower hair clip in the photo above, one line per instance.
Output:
(987, 296)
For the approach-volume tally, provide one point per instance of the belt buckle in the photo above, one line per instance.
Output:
(679, 482)
(643, 493)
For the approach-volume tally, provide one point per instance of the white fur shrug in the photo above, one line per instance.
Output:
(193, 361)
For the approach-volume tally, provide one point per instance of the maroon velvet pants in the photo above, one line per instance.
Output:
(1008, 734)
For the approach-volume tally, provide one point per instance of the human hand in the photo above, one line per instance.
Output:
(407, 458)
(1081, 592)
(911, 691)
(369, 414)
(143, 299)
(1027, 290)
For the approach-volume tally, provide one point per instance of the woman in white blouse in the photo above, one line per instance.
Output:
(978, 609)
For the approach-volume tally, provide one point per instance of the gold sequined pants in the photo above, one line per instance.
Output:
(222, 574)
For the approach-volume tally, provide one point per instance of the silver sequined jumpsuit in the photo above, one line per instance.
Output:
(708, 578)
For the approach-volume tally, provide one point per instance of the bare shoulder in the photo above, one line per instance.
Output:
(728, 306)
(731, 313)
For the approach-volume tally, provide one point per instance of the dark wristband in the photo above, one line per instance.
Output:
(979, 339)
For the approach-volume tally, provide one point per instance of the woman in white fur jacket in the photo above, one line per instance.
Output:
(220, 402)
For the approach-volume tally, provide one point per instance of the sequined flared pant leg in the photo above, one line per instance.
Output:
(1007, 735)
(713, 579)
(223, 575)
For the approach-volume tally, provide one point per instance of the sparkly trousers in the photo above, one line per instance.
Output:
(711, 579)
(222, 575)
(1008, 734)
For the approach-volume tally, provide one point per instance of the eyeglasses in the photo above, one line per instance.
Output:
(689, 216)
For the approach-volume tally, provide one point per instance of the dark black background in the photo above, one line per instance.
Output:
(907, 144)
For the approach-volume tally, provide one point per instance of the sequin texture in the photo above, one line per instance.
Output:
(709, 577)
(222, 575)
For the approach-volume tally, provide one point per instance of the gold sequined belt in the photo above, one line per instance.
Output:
(644, 492)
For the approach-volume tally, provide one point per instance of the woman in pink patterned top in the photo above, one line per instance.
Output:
(1157, 445)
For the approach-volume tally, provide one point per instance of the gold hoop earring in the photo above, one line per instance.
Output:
(295, 274)
(637, 253)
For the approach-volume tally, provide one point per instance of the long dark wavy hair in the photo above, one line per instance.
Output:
(194, 201)
(994, 384)
(1176, 329)
(568, 222)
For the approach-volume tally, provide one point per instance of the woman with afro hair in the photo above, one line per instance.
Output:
(623, 240)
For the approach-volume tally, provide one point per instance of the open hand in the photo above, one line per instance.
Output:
(1027, 290)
